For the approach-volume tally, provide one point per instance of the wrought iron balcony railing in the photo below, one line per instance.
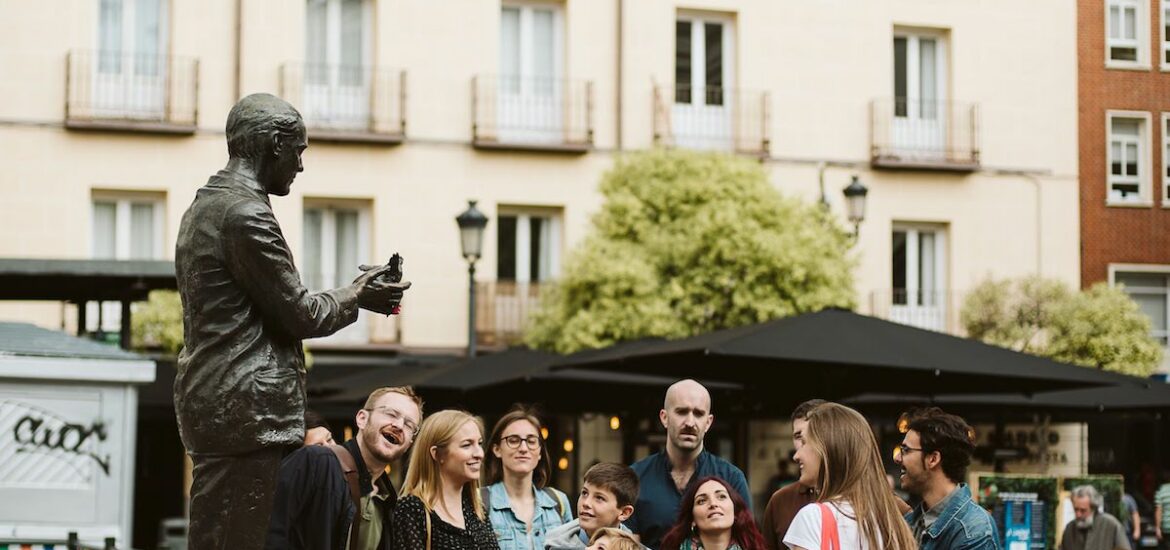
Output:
(347, 102)
(115, 90)
(931, 135)
(502, 309)
(539, 113)
(936, 310)
(712, 118)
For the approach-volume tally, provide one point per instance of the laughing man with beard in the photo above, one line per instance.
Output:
(336, 497)
(934, 457)
(666, 475)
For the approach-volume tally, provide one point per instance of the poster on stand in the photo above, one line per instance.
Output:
(1023, 507)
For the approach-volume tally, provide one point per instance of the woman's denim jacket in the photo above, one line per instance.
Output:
(552, 511)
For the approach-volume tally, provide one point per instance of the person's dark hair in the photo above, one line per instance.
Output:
(801, 410)
(947, 434)
(495, 465)
(313, 419)
(743, 529)
(252, 120)
(618, 479)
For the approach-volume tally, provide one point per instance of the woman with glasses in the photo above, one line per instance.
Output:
(522, 509)
(855, 508)
(440, 507)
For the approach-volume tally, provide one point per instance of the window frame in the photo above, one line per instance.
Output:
(123, 202)
(330, 208)
(1145, 199)
(1164, 49)
(1141, 38)
(1165, 172)
(729, 54)
(913, 37)
(1161, 269)
(555, 217)
(941, 255)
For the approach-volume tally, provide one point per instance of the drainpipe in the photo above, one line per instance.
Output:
(239, 50)
(1035, 181)
(621, 9)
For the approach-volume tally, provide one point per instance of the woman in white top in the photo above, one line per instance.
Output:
(840, 459)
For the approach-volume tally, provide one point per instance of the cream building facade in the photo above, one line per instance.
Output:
(959, 117)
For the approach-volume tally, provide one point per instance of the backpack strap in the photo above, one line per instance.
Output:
(427, 514)
(830, 537)
(561, 505)
(350, 472)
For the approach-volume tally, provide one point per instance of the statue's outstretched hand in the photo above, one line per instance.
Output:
(376, 292)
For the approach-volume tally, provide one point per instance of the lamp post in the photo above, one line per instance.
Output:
(471, 225)
(855, 194)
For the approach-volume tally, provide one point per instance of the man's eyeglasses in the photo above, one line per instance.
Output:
(396, 416)
(513, 441)
(905, 449)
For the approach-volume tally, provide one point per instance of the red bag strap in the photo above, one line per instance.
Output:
(830, 538)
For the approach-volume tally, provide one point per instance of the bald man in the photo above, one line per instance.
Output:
(666, 475)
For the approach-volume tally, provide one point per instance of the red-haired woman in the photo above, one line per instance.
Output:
(713, 516)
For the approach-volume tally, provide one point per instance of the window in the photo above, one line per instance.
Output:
(131, 61)
(123, 227)
(1150, 288)
(336, 242)
(1127, 179)
(528, 247)
(1166, 35)
(1124, 33)
(337, 55)
(1166, 160)
(919, 74)
(530, 86)
(702, 59)
(918, 262)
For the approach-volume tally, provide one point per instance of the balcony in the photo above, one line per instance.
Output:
(347, 103)
(532, 114)
(924, 135)
(109, 90)
(710, 118)
(502, 309)
(936, 310)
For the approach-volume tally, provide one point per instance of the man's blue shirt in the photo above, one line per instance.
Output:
(960, 524)
(658, 498)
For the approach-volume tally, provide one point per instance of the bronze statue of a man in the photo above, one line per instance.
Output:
(240, 387)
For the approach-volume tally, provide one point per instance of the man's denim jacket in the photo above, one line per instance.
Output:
(962, 524)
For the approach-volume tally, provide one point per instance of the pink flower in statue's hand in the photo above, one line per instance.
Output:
(396, 310)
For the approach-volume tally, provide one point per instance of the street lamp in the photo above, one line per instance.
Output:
(855, 203)
(471, 224)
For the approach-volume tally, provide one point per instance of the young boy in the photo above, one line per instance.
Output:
(607, 499)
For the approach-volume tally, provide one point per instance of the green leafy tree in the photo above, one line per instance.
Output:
(687, 243)
(158, 322)
(1099, 327)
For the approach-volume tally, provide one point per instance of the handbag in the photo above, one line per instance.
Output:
(830, 538)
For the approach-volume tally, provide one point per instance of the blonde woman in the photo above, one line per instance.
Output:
(855, 508)
(610, 538)
(441, 507)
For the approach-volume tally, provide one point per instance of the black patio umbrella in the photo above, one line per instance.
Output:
(1141, 395)
(836, 353)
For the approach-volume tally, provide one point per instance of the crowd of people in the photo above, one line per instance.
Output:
(465, 492)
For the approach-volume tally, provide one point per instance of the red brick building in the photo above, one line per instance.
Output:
(1124, 125)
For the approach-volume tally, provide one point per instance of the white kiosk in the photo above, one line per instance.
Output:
(68, 416)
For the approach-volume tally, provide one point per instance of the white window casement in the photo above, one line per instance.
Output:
(1165, 160)
(918, 262)
(1126, 34)
(1128, 175)
(131, 63)
(1149, 286)
(1165, 26)
(528, 245)
(920, 93)
(338, 53)
(704, 75)
(531, 72)
(124, 226)
(336, 240)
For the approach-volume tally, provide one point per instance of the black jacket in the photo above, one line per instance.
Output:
(312, 509)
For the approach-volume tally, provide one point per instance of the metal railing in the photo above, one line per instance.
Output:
(347, 101)
(936, 310)
(712, 118)
(538, 112)
(112, 89)
(925, 134)
(502, 309)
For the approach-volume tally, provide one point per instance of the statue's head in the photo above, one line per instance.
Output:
(268, 133)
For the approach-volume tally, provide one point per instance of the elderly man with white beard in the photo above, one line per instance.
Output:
(1093, 529)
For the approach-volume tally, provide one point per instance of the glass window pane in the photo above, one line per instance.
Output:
(1130, 27)
(510, 50)
(1131, 159)
(926, 268)
(312, 270)
(1126, 127)
(898, 261)
(104, 230)
(506, 249)
(147, 37)
(1114, 22)
(543, 51)
(535, 245)
(110, 39)
(927, 77)
(347, 260)
(713, 42)
(352, 43)
(316, 36)
(1145, 281)
(1115, 158)
(682, 61)
(900, 86)
(142, 236)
